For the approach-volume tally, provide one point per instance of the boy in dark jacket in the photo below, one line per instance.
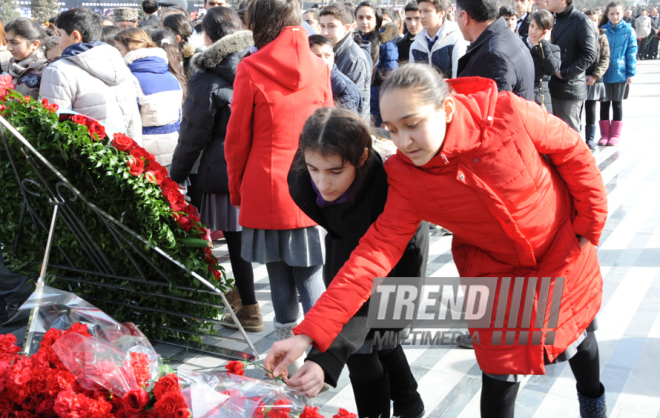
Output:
(336, 24)
(344, 92)
(414, 26)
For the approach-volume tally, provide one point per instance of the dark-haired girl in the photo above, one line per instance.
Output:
(277, 87)
(166, 40)
(384, 52)
(339, 182)
(24, 42)
(524, 198)
(206, 113)
(182, 28)
(546, 56)
(618, 77)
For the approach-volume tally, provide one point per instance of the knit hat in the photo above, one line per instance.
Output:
(125, 14)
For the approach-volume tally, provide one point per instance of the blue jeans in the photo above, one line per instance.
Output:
(285, 284)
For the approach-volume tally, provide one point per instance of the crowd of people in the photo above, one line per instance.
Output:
(274, 146)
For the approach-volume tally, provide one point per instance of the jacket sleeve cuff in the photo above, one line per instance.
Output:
(331, 366)
(586, 228)
(320, 338)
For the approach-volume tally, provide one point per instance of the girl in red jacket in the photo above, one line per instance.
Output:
(524, 198)
(276, 88)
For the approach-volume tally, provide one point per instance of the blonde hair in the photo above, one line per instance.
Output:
(134, 38)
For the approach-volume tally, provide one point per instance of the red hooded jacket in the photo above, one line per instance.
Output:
(513, 213)
(275, 91)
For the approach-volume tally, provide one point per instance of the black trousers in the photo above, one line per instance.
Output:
(498, 398)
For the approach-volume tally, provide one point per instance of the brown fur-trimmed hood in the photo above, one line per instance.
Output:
(389, 33)
(221, 49)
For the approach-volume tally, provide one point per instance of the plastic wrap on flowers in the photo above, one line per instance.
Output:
(225, 395)
(96, 364)
(118, 357)
(59, 309)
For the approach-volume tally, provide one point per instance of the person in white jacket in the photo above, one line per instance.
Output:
(90, 77)
(440, 43)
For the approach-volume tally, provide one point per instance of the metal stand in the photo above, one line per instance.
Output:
(127, 240)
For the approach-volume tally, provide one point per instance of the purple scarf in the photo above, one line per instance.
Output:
(345, 197)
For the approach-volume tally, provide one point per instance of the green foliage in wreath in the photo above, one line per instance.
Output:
(127, 183)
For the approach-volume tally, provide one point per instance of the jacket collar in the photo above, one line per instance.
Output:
(344, 44)
(448, 27)
(144, 53)
(496, 27)
(221, 49)
(565, 13)
(77, 49)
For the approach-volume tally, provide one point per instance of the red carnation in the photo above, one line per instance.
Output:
(136, 165)
(79, 119)
(311, 412)
(182, 413)
(31, 402)
(44, 102)
(165, 385)
(54, 107)
(96, 130)
(46, 407)
(123, 143)
(125, 413)
(140, 364)
(169, 405)
(235, 367)
(344, 414)
(136, 400)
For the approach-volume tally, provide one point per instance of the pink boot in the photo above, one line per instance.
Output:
(604, 132)
(615, 132)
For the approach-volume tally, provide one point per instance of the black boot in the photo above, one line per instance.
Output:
(403, 386)
(593, 408)
(372, 397)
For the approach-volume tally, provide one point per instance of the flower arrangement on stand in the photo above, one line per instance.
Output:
(124, 180)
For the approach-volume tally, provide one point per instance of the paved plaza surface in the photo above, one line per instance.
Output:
(629, 334)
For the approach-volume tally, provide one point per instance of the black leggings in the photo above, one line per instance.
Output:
(617, 110)
(366, 367)
(590, 111)
(498, 398)
(243, 275)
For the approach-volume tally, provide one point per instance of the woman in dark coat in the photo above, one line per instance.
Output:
(206, 113)
(384, 375)
(547, 57)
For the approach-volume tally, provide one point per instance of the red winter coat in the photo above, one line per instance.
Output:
(275, 91)
(513, 214)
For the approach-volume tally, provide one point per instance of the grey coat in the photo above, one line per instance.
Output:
(354, 64)
(98, 84)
